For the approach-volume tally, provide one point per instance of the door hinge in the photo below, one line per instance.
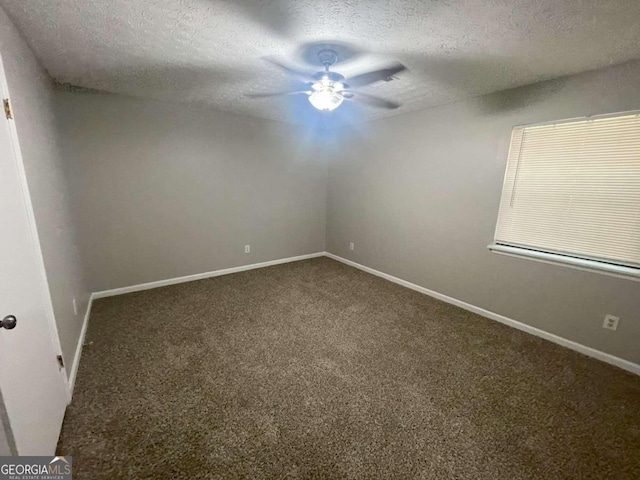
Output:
(60, 361)
(7, 108)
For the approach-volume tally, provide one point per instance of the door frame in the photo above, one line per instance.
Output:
(43, 285)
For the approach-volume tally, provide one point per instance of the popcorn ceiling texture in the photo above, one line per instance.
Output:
(210, 51)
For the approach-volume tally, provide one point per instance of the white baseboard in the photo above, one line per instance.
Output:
(76, 358)
(201, 276)
(590, 352)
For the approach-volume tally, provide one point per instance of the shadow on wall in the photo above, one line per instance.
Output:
(519, 98)
(159, 81)
(461, 75)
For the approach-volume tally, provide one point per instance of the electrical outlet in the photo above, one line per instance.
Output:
(75, 307)
(611, 322)
(351, 246)
(247, 249)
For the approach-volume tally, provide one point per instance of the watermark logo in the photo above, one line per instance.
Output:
(35, 468)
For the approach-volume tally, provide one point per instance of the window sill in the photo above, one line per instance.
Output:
(620, 271)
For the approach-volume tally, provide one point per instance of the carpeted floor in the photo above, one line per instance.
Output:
(317, 370)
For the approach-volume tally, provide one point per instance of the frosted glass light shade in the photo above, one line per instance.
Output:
(326, 99)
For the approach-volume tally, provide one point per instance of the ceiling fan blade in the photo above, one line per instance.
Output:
(276, 94)
(382, 75)
(369, 100)
(296, 74)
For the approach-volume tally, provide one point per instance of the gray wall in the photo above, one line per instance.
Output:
(164, 190)
(161, 190)
(418, 194)
(32, 95)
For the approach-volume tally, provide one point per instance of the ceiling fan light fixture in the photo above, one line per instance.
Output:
(326, 95)
(326, 99)
(326, 90)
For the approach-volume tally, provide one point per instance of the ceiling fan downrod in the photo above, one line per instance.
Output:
(328, 58)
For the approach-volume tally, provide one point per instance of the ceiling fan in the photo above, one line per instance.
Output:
(327, 90)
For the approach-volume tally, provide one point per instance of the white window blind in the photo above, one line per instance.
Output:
(573, 188)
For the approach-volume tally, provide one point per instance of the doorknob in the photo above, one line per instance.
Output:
(9, 322)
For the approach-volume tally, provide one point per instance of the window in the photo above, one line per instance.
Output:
(572, 194)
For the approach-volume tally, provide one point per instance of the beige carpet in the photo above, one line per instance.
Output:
(317, 370)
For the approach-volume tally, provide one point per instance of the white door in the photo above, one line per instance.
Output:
(32, 386)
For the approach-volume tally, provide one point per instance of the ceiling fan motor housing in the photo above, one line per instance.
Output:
(327, 57)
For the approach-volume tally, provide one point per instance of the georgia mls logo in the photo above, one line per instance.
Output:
(35, 468)
(58, 464)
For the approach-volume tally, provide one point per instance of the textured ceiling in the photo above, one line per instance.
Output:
(211, 50)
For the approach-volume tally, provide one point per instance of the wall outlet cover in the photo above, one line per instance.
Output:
(611, 322)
